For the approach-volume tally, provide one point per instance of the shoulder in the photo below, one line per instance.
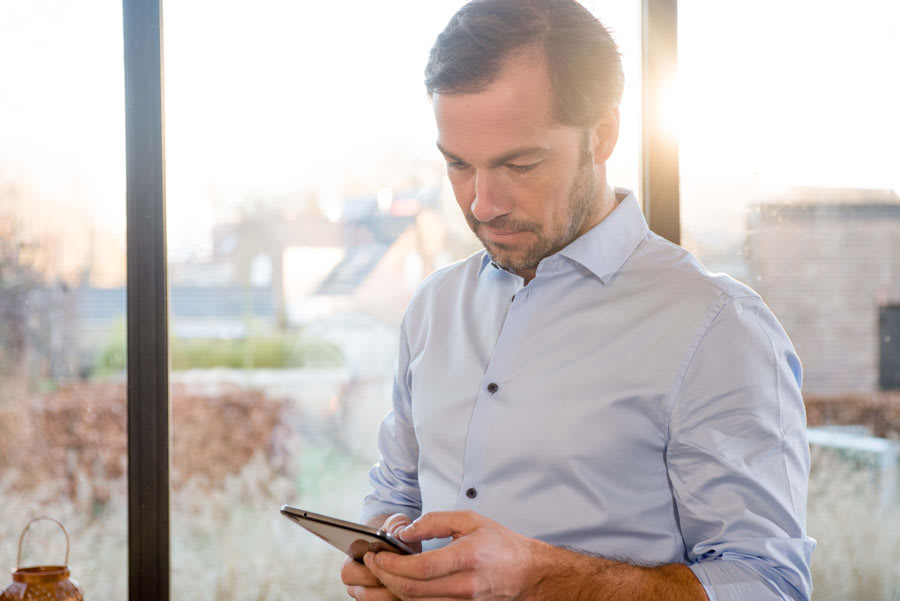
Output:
(717, 310)
(677, 292)
(680, 278)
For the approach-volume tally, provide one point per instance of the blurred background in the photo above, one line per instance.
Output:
(306, 201)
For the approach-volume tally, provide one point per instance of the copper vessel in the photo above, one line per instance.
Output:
(44, 583)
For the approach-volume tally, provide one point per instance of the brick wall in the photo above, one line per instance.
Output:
(824, 267)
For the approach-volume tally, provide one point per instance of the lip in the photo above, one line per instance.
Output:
(502, 235)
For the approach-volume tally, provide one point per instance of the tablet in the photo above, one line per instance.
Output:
(351, 538)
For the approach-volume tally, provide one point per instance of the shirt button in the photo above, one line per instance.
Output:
(492, 388)
(471, 493)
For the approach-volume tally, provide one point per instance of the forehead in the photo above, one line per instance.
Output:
(514, 110)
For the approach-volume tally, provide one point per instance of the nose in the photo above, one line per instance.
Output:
(489, 201)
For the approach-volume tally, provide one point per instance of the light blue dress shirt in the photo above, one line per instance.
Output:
(626, 402)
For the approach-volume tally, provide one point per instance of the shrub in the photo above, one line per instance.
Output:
(75, 437)
(272, 352)
(878, 411)
(263, 352)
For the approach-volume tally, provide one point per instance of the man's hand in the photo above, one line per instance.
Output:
(489, 562)
(360, 582)
(484, 561)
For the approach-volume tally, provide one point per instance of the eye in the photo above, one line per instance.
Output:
(456, 165)
(522, 168)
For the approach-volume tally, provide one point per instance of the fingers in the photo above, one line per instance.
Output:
(395, 523)
(362, 585)
(365, 593)
(354, 573)
(459, 584)
(423, 566)
(440, 524)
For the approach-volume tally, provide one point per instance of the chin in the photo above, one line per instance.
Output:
(511, 263)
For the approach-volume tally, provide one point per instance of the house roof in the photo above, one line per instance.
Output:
(830, 203)
(186, 301)
(353, 269)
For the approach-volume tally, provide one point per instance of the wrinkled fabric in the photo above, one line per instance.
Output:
(626, 402)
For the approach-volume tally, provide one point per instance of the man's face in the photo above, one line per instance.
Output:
(526, 184)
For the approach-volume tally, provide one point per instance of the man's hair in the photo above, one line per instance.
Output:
(582, 60)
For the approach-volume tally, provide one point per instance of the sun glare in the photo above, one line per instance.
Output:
(669, 108)
(755, 97)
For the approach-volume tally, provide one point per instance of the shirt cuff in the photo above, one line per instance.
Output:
(373, 507)
(729, 581)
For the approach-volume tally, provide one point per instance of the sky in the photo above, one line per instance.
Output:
(278, 96)
(798, 91)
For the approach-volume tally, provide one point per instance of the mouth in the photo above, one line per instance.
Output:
(501, 236)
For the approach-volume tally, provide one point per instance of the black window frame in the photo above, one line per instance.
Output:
(148, 352)
(888, 349)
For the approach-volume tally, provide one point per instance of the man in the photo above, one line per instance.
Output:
(581, 411)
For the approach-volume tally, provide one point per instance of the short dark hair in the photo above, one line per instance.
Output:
(582, 60)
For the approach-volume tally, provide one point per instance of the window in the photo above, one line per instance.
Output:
(789, 183)
(889, 330)
(62, 296)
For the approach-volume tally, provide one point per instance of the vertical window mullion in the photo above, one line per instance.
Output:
(659, 149)
(148, 380)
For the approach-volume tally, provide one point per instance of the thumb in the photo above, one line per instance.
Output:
(440, 524)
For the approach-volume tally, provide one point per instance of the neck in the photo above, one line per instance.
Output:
(606, 202)
(604, 205)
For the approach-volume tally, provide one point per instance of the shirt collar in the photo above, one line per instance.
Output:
(485, 261)
(603, 249)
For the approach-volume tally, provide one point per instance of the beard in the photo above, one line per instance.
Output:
(580, 201)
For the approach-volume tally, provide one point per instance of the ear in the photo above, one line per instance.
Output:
(605, 134)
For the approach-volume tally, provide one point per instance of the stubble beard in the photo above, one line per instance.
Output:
(582, 197)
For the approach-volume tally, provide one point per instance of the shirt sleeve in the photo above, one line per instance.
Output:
(395, 478)
(738, 459)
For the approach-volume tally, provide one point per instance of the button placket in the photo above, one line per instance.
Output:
(489, 402)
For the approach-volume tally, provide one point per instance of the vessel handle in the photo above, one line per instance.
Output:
(24, 530)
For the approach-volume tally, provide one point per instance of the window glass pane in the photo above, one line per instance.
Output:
(306, 201)
(623, 20)
(790, 183)
(62, 290)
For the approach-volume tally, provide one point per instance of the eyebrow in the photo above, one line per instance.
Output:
(503, 158)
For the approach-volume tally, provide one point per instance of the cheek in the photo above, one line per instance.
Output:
(544, 201)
